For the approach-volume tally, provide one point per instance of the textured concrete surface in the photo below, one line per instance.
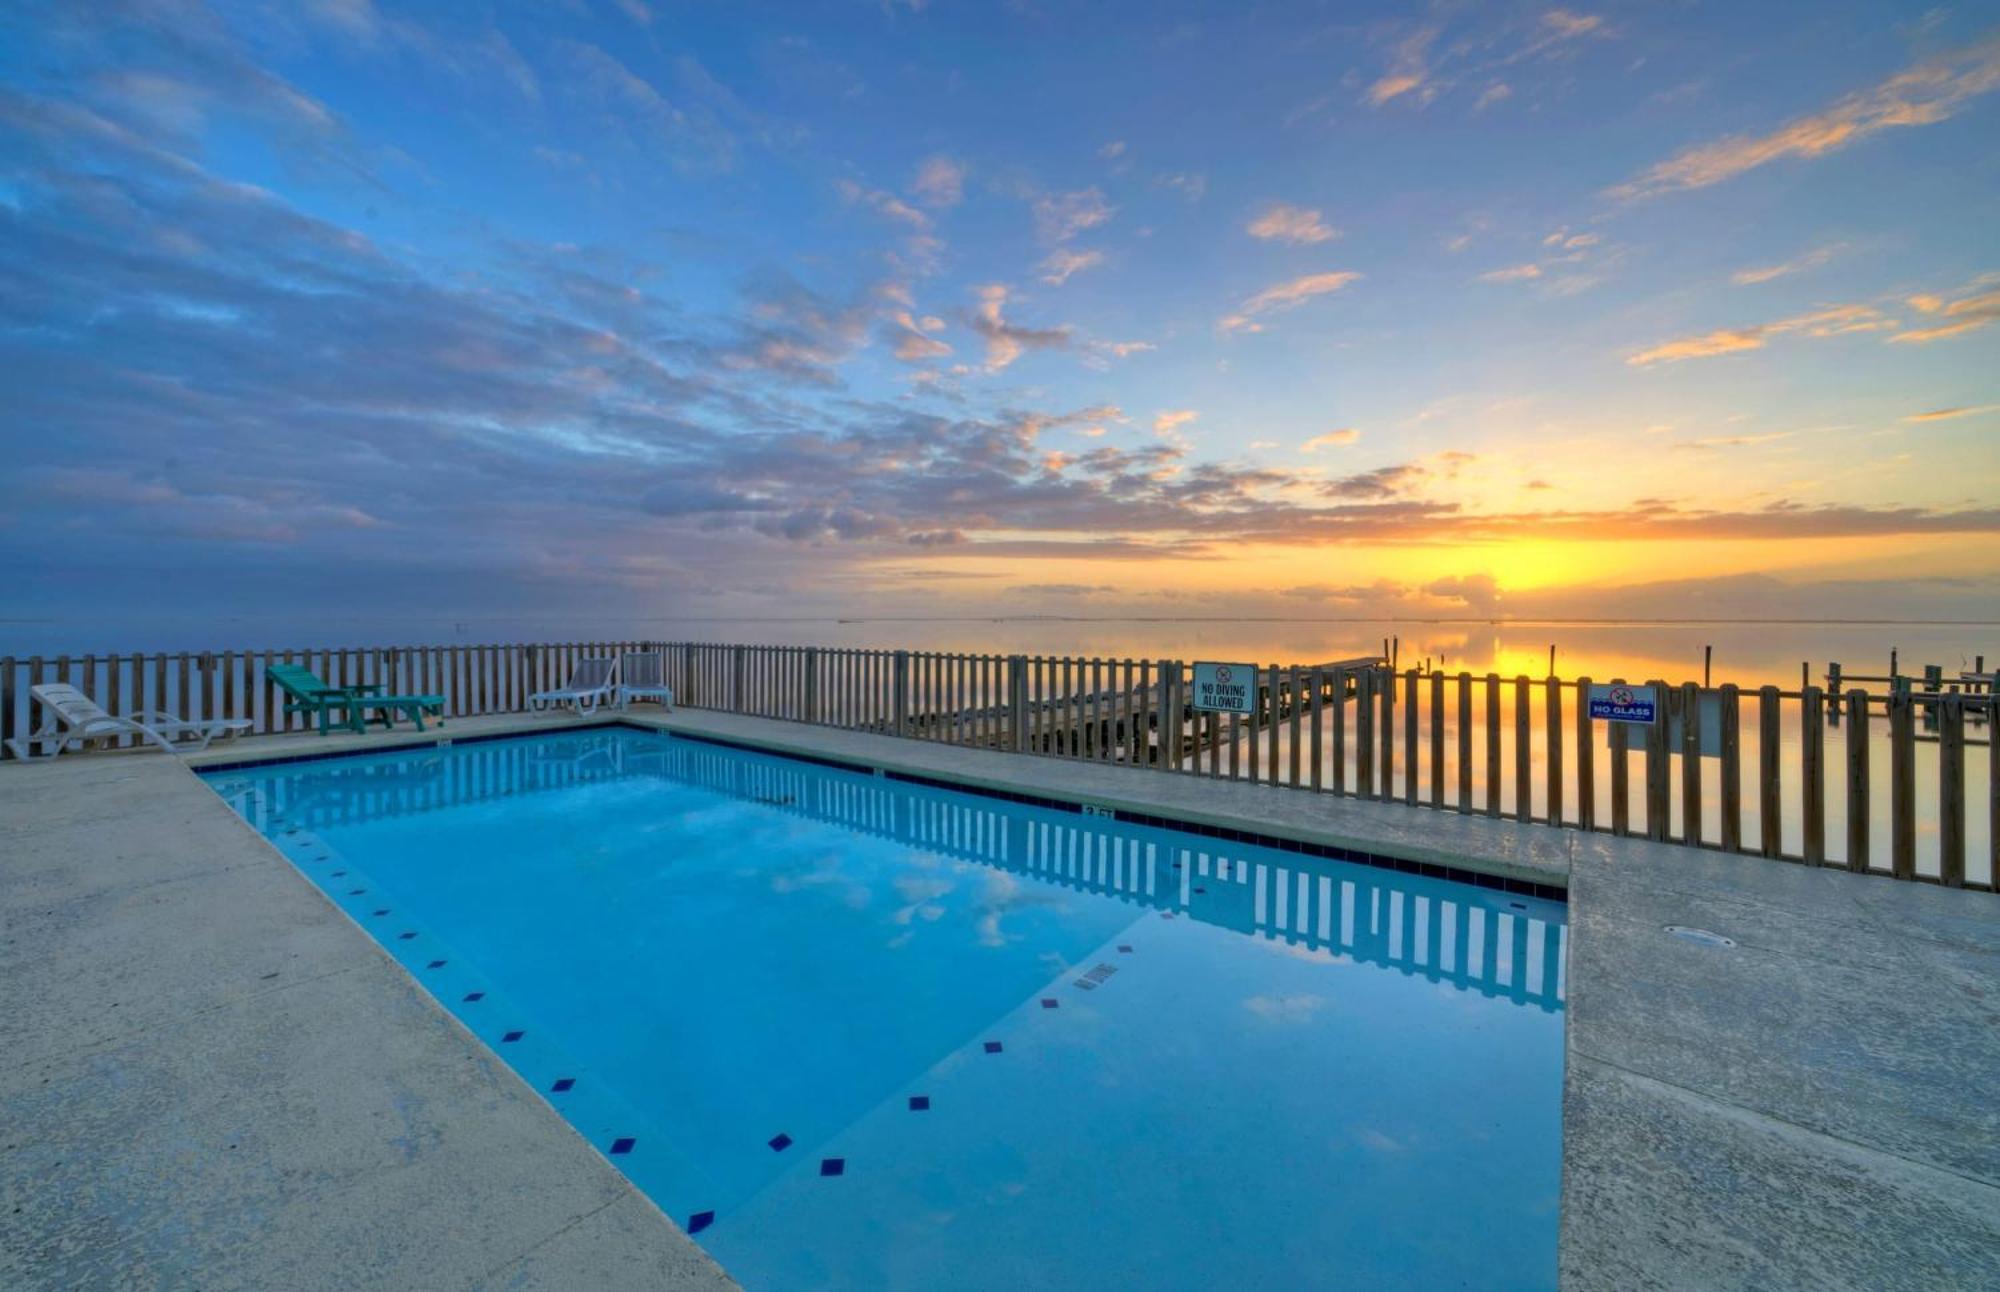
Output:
(210, 1078)
(1813, 1107)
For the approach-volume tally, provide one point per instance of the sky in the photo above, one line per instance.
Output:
(939, 308)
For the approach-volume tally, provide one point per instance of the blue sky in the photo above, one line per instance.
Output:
(762, 309)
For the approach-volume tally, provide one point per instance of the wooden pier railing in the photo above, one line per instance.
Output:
(1901, 784)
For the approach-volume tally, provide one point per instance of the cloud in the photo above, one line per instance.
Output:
(1497, 92)
(1765, 273)
(1947, 414)
(1331, 439)
(1408, 72)
(1512, 274)
(1298, 1007)
(1112, 150)
(1977, 306)
(884, 204)
(1294, 224)
(1284, 296)
(940, 182)
(1006, 342)
(1927, 93)
(1837, 320)
(1063, 262)
(1192, 185)
(1566, 24)
(1173, 419)
(1061, 216)
(1734, 441)
(908, 337)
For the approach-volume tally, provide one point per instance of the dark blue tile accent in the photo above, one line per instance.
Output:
(1124, 948)
(474, 996)
(512, 1037)
(833, 1166)
(435, 964)
(1050, 1002)
(700, 1220)
(338, 874)
(993, 1047)
(780, 1142)
(623, 1144)
(407, 934)
(1201, 890)
(563, 1085)
(920, 1103)
(1166, 915)
(383, 911)
(356, 892)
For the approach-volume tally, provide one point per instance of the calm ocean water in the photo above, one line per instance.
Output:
(1743, 652)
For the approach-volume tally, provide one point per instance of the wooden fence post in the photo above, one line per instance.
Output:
(1732, 771)
(1388, 734)
(1017, 703)
(1659, 812)
(1619, 741)
(1902, 785)
(1410, 760)
(1586, 759)
(811, 657)
(900, 698)
(1552, 720)
(1465, 742)
(1492, 744)
(1951, 792)
(1857, 780)
(1690, 700)
(1812, 773)
(1770, 818)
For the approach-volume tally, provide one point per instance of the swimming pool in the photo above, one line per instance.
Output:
(852, 1031)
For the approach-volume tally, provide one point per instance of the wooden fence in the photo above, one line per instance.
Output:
(1901, 784)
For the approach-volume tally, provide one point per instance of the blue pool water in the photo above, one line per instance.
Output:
(855, 1032)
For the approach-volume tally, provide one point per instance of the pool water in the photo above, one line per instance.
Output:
(855, 1032)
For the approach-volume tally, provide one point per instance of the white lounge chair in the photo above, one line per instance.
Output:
(641, 676)
(590, 684)
(74, 719)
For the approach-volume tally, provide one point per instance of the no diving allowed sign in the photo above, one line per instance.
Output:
(1225, 688)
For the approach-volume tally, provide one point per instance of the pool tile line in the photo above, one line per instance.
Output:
(1330, 852)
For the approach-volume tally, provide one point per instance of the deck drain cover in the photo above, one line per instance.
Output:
(1700, 936)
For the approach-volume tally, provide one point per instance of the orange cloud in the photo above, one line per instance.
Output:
(1284, 296)
(1925, 94)
(1946, 414)
(1332, 439)
(1294, 224)
(1966, 314)
(1837, 320)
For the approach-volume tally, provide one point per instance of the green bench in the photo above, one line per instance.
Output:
(306, 693)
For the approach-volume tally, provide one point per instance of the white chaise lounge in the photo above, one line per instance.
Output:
(590, 684)
(74, 720)
(642, 676)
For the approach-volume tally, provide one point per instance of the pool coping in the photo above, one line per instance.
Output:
(1762, 1115)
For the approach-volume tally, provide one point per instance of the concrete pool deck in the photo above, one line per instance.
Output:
(208, 1075)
